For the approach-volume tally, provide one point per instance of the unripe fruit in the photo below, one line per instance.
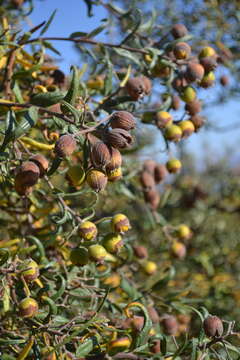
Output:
(113, 243)
(28, 308)
(213, 326)
(174, 166)
(147, 180)
(22, 190)
(97, 253)
(114, 175)
(140, 252)
(155, 347)
(152, 197)
(183, 232)
(65, 146)
(182, 50)
(120, 223)
(100, 154)
(194, 72)
(170, 325)
(173, 133)
(149, 165)
(87, 230)
(198, 122)
(116, 160)
(118, 138)
(118, 345)
(27, 174)
(224, 80)
(193, 107)
(30, 270)
(209, 63)
(160, 172)
(51, 356)
(122, 120)
(153, 314)
(163, 119)
(41, 162)
(208, 80)
(135, 88)
(79, 256)
(178, 250)
(113, 280)
(179, 30)
(97, 180)
(187, 128)
(176, 102)
(207, 51)
(149, 267)
(188, 94)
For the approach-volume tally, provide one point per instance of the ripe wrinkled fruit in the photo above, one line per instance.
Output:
(30, 270)
(28, 308)
(153, 314)
(174, 165)
(27, 174)
(213, 326)
(207, 80)
(193, 107)
(187, 128)
(207, 51)
(182, 50)
(41, 162)
(149, 165)
(147, 84)
(87, 230)
(147, 180)
(120, 223)
(140, 252)
(100, 154)
(170, 325)
(118, 345)
(152, 197)
(113, 243)
(149, 267)
(194, 72)
(178, 250)
(97, 180)
(209, 63)
(65, 146)
(176, 102)
(198, 121)
(183, 232)
(79, 256)
(122, 120)
(135, 88)
(116, 160)
(163, 119)
(224, 80)
(137, 323)
(173, 133)
(179, 30)
(188, 94)
(118, 138)
(97, 253)
(115, 174)
(160, 172)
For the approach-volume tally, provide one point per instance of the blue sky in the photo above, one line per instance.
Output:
(72, 16)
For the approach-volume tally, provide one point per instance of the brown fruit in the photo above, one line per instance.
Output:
(118, 138)
(152, 197)
(17, 3)
(97, 180)
(209, 63)
(153, 314)
(65, 146)
(137, 323)
(160, 172)
(179, 30)
(140, 252)
(155, 347)
(147, 84)
(135, 88)
(224, 80)
(23, 190)
(149, 165)
(147, 180)
(170, 325)
(116, 160)
(176, 102)
(213, 326)
(193, 107)
(198, 121)
(27, 175)
(179, 82)
(58, 77)
(41, 162)
(182, 50)
(194, 72)
(122, 120)
(100, 154)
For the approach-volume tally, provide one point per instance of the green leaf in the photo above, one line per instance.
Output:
(61, 289)
(4, 256)
(27, 121)
(26, 73)
(18, 93)
(108, 80)
(78, 34)
(97, 31)
(47, 99)
(49, 46)
(127, 54)
(85, 348)
(89, 7)
(10, 127)
(48, 22)
(72, 93)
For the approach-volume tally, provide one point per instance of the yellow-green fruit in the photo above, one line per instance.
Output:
(174, 165)
(183, 232)
(114, 175)
(178, 250)
(97, 252)
(187, 128)
(113, 243)
(28, 308)
(149, 267)
(79, 256)
(208, 80)
(207, 51)
(118, 345)
(88, 230)
(163, 119)
(173, 133)
(120, 223)
(30, 270)
(189, 94)
(48, 354)
(97, 180)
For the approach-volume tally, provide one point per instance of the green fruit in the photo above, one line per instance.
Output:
(97, 252)
(113, 243)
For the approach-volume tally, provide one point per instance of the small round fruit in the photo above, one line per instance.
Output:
(65, 146)
(28, 308)
(193, 107)
(208, 80)
(120, 223)
(179, 30)
(149, 166)
(163, 119)
(97, 180)
(100, 154)
(173, 133)
(188, 94)
(198, 121)
(135, 88)
(183, 232)
(115, 174)
(97, 253)
(207, 51)
(122, 120)
(170, 325)
(213, 326)
(153, 314)
(174, 166)
(149, 267)
(113, 243)
(194, 72)
(147, 180)
(152, 197)
(178, 250)
(118, 138)
(224, 80)
(176, 102)
(155, 347)
(160, 173)
(209, 63)
(187, 128)
(79, 256)
(140, 252)
(87, 230)
(27, 174)
(41, 162)
(182, 50)
(112, 280)
(116, 160)
(30, 270)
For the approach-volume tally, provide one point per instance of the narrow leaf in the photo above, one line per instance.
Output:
(48, 22)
